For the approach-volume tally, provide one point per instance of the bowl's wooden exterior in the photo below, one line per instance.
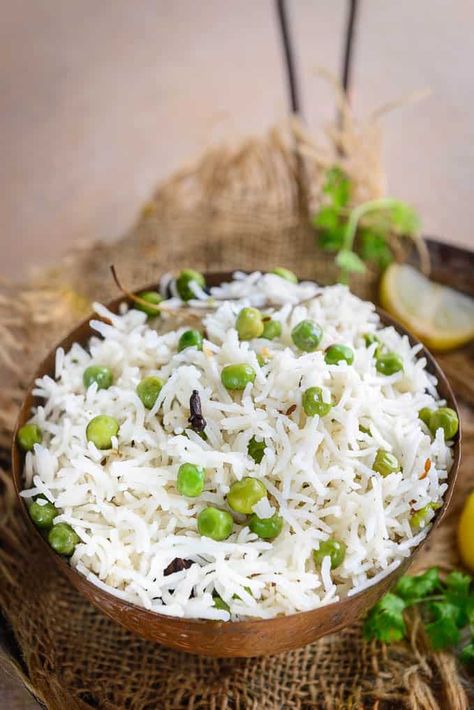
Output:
(240, 638)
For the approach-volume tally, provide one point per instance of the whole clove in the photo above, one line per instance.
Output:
(197, 421)
(177, 565)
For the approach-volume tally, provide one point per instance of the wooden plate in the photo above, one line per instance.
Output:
(214, 638)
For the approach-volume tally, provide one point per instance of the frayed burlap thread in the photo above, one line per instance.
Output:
(247, 209)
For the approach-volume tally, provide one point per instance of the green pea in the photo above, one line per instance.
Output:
(214, 523)
(313, 403)
(151, 297)
(370, 338)
(385, 463)
(43, 515)
(148, 390)
(29, 435)
(307, 335)
(389, 364)
(63, 539)
(219, 603)
(446, 419)
(256, 449)
(244, 494)
(425, 415)
(185, 278)
(190, 339)
(419, 516)
(338, 353)
(332, 547)
(100, 374)
(190, 481)
(237, 377)
(261, 360)
(285, 274)
(271, 329)
(266, 528)
(101, 429)
(249, 323)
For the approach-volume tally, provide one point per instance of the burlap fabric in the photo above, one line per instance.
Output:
(237, 209)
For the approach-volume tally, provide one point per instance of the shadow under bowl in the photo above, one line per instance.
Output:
(252, 637)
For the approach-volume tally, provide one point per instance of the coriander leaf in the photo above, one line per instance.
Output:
(469, 610)
(458, 593)
(385, 620)
(371, 223)
(331, 240)
(350, 262)
(443, 631)
(458, 583)
(326, 218)
(406, 589)
(414, 589)
(467, 654)
(447, 605)
(404, 219)
(330, 228)
(429, 581)
(373, 247)
(337, 187)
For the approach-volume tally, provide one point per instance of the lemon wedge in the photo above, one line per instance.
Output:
(466, 533)
(440, 317)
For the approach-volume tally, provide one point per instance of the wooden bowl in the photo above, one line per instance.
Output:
(215, 638)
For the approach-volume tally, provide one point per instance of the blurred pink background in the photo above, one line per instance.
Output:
(102, 100)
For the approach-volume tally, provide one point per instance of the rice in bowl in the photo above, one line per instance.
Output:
(138, 536)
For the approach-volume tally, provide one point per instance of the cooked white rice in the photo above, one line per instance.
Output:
(124, 506)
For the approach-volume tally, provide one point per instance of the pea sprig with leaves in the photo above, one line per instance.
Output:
(446, 606)
(373, 223)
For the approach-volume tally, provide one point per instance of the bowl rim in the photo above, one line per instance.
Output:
(17, 463)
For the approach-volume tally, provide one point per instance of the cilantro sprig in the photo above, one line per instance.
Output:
(370, 224)
(446, 606)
